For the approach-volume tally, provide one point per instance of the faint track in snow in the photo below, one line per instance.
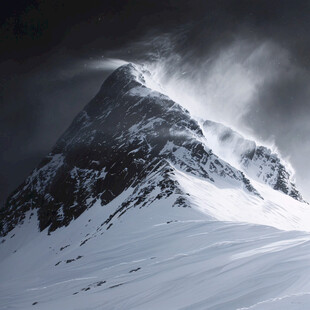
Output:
(58, 283)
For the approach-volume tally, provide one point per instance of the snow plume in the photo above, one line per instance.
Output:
(106, 64)
(221, 86)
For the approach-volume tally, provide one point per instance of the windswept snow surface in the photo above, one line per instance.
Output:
(156, 257)
(232, 204)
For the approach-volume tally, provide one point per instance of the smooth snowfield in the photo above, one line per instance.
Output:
(157, 257)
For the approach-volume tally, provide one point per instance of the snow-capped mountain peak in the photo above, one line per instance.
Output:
(138, 206)
(125, 133)
(114, 143)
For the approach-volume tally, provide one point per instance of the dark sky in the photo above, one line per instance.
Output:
(54, 55)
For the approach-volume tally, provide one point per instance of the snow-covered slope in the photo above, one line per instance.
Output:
(132, 209)
(258, 162)
(157, 257)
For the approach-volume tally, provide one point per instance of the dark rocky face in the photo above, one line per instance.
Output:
(126, 135)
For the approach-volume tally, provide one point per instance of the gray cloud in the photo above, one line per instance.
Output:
(38, 106)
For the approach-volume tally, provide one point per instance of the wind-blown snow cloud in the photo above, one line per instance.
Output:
(222, 86)
(246, 85)
(106, 64)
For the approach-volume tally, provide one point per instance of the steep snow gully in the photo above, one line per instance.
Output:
(140, 206)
